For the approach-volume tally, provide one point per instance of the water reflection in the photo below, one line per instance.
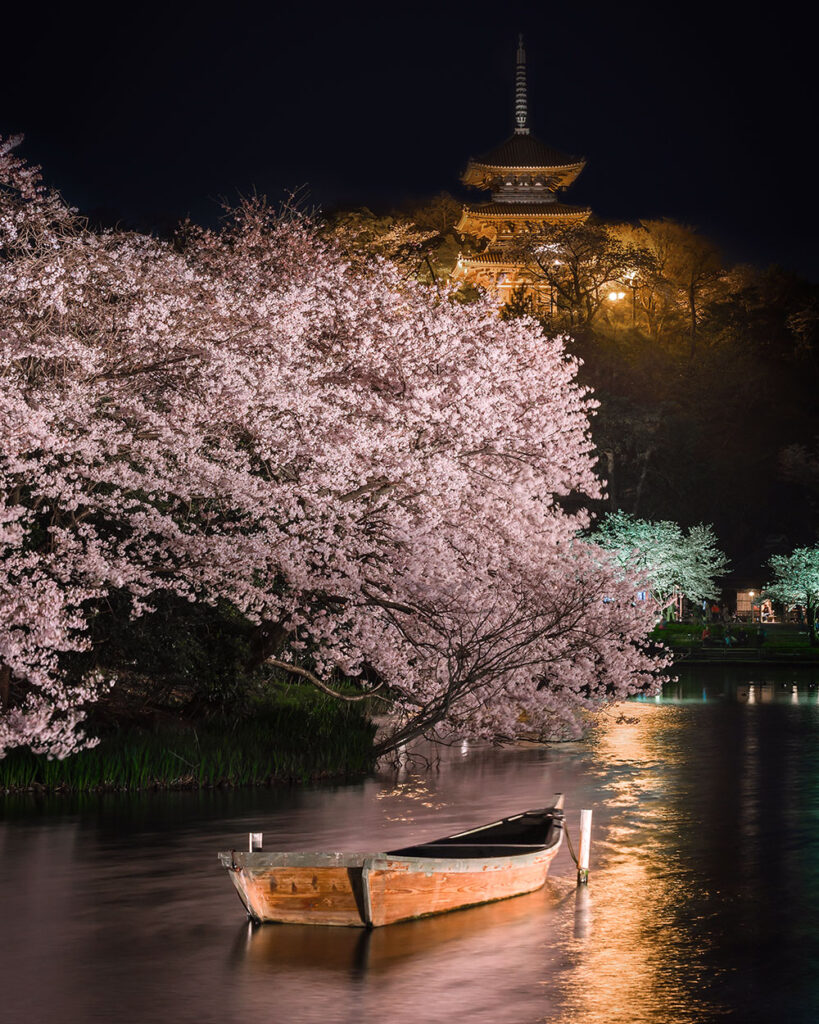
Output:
(486, 962)
(636, 963)
(354, 951)
(583, 916)
(743, 684)
(703, 900)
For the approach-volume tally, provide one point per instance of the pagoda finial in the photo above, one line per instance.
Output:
(521, 114)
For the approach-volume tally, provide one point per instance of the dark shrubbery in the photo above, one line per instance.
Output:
(295, 736)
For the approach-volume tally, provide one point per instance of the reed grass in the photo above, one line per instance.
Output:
(287, 740)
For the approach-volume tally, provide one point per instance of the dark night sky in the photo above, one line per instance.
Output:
(704, 113)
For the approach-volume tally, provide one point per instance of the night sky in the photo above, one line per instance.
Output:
(704, 113)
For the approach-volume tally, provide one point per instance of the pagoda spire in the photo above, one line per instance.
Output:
(521, 113)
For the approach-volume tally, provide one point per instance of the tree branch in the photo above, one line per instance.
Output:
(314, 680)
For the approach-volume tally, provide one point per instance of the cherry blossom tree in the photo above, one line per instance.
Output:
(368, 471)
(795, 580)
(667, 560)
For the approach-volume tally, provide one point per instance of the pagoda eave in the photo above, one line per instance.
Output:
(480, 175)
(498, 273)
(488, 259)
(498, 220)
(524, 211)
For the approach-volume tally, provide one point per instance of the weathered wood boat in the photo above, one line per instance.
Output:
(493, 862)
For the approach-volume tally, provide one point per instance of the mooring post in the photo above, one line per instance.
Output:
(585, 847)
(255, 841)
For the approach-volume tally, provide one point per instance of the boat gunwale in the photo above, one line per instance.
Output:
(459, 865)
(244, 861)
(259, 860)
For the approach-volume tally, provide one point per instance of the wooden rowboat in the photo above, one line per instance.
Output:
(493, 862)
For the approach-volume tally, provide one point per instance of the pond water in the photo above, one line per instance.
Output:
(703, 902)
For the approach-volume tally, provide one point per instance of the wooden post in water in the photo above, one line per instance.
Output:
(582, 912)
(585, 847)
(255, 841)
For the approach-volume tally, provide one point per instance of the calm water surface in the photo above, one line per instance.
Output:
(703, 903)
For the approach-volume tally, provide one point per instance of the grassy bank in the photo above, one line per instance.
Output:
(786, 643)
(292, 737)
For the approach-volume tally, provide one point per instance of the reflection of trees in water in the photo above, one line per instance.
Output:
(623, 949)
(745, 684)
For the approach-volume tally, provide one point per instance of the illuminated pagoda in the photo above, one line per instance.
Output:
(524, 177)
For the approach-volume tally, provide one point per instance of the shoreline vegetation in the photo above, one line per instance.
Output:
(291, 738)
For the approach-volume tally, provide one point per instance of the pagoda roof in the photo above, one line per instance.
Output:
(544, 209)
(491, 259)
(522, 154)
(525, 151)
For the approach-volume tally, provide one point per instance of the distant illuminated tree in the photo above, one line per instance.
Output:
(689, 267)
(580, 262)
(795, 580)
(439, 214)
(668, 560)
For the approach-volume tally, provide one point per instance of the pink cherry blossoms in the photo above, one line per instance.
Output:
(362, 466)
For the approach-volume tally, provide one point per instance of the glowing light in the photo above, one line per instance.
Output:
(616, 296)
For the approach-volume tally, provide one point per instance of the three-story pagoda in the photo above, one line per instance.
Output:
(524, 177)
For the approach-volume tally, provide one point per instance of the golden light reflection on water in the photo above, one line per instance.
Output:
(405, 797)
(630, 961)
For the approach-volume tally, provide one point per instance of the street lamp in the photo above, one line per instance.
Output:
(631, 278)
(615, 297)
(555, 263)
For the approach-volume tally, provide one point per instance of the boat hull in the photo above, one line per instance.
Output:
(370, 890)
(399, 889)
(303, 888)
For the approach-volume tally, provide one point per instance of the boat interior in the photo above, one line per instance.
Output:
(521, 833)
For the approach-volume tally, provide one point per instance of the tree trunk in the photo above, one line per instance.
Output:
(610, 487)
(5, 684)
(641, 482)
(692, 307)
(267, 642)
